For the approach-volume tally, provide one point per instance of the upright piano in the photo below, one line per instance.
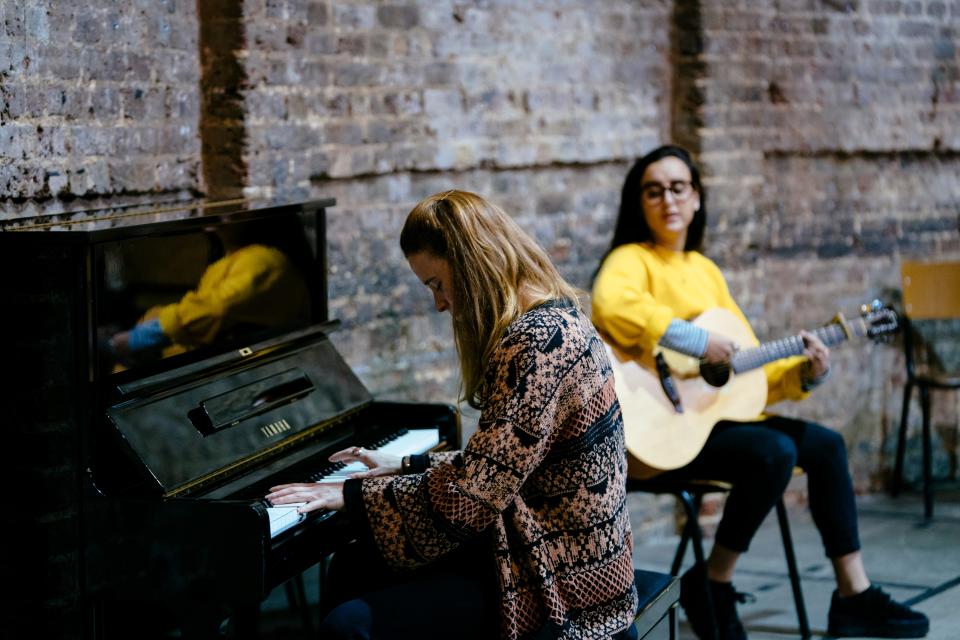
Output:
(154, 491)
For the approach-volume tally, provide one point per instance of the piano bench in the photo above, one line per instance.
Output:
(659, 595)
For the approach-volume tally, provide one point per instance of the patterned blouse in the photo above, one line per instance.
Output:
(543, 479)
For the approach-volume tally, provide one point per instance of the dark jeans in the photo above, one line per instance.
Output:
(455, 597)
(758, 458)
(452, 598)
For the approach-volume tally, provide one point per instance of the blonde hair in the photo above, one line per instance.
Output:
(491, 260)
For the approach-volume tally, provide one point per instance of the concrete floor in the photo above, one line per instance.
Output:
(915, 562)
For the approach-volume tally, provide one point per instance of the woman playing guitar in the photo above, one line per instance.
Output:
(652, 281)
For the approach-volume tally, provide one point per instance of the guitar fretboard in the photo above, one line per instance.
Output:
(831, 335)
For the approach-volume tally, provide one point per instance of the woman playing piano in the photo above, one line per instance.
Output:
(525, 532)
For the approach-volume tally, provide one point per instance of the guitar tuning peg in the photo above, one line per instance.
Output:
(873, 307)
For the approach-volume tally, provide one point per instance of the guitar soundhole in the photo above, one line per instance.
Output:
(716, 374)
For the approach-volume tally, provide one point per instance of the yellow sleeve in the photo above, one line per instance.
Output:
(784, 380)
(623, 307)
(224, 287)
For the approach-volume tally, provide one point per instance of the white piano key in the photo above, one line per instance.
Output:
(415, 441)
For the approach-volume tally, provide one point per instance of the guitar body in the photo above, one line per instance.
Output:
(658, 438)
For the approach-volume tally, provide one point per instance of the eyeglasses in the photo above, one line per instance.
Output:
(680, 189)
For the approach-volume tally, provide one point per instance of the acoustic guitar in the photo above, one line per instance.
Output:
(668, 413)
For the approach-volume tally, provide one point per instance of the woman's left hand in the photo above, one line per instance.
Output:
(317, 495)
(817, 352)
(377, 463)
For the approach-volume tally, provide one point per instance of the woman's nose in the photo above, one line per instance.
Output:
(439, 301)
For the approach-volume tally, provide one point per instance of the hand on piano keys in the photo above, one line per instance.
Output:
(365, 463)
(316, 496)
(326, 491)
(383, 459)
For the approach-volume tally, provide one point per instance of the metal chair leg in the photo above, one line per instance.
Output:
(897, 482)
(692, 530)
(306, 615)
(684, 539)
(927, 455)
(297, 598)
(792, 570)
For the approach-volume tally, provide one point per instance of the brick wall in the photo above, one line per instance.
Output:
(379, 104)
(346, 89)
(98, 100)
(829, 134)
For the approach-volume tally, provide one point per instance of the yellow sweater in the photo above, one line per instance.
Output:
(255, 285)
(641, 288)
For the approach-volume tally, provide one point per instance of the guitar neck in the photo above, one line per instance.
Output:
(830, 335)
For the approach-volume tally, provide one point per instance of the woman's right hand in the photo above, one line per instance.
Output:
(720, 348)
(120, 346)
(378, 464)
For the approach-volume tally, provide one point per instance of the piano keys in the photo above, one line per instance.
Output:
(402, 443)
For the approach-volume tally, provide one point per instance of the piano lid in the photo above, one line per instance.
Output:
(145, 219)
(217, 427)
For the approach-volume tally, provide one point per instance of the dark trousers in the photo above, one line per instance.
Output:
(454, 597)
(758, 458)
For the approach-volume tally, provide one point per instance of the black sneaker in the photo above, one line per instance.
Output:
(693, 599)
(873, 613)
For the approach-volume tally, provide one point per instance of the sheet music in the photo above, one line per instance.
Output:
(284, 516)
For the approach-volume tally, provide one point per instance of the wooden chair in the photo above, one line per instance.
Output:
(690, 494)
(931, 341)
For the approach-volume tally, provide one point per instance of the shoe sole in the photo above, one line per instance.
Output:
(878, 632)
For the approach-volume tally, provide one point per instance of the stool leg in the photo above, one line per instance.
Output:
(681, 548)
(306, 615)
(324, 600)
(792, 570)
(901, 440)
(692, 530)
(927, 455)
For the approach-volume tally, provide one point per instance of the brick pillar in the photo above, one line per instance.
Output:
(223, 131)
(687, 68)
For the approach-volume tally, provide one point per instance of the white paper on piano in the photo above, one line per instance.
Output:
(284, 516)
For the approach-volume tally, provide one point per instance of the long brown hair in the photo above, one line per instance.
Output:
(491, 260)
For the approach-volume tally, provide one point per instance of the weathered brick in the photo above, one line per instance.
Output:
(317, 13)
(398, 17)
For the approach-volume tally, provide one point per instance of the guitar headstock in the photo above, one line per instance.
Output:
(879, 321)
